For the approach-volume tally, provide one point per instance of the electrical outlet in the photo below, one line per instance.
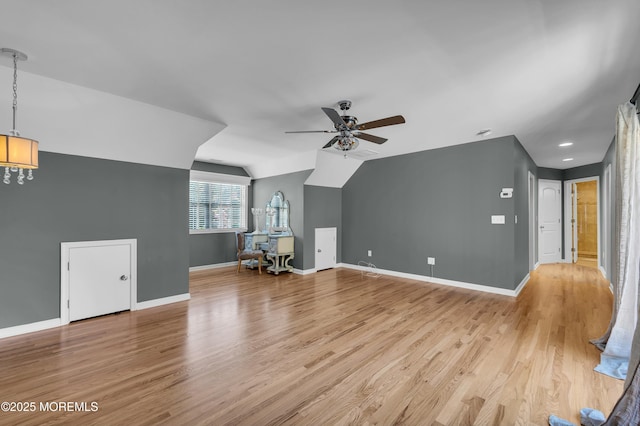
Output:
(431, 260)
(369, 253)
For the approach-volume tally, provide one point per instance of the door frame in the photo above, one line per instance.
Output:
(605, 215)
(568, 258)
(65, 255)
(532, 189)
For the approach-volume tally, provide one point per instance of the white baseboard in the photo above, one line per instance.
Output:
(524, 282)
(536, 266)
(212, 266)
(29, 328)
(162, 301)
(57, 322)
(434, 280)
(227, 264)
(602, 271)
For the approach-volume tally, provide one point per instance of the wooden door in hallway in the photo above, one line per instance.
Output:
(582, 221)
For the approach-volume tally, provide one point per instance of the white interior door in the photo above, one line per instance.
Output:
(326, 247)
(549, 221)
(99, 280)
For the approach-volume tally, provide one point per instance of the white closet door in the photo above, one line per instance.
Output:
(99, 280)
(326, 247)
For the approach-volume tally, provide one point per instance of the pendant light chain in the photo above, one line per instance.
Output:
(15, 89)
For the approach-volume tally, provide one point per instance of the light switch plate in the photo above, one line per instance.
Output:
(497, 219)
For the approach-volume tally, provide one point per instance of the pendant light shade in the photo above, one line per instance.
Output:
(17, 152)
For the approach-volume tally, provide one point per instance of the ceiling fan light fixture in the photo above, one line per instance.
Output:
(349, 130)
(346, 143)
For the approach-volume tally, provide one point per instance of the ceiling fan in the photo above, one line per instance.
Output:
(349, 130)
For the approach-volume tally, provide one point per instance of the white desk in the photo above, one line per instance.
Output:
(280, 253)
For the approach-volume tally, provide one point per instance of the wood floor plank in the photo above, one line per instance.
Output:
(335, 347)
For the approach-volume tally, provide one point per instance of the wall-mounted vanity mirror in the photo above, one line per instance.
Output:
(277, 211)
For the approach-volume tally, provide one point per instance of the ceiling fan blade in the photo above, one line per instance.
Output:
(370, 138)
(389, 121)
(335, 117)
(331, 142)
(312, 131)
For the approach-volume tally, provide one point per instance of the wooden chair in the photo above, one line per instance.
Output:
(244, 254)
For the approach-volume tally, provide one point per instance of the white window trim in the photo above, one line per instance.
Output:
(200, 176)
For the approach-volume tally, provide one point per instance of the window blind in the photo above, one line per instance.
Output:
(217, 206)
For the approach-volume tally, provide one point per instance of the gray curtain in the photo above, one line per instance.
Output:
(627, 410)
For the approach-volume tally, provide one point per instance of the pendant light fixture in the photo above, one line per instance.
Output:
(17, 154)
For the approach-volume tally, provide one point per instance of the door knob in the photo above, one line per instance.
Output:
(542, 227)
(319, 251)
(123, 278)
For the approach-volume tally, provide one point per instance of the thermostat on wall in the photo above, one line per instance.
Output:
(506, 193)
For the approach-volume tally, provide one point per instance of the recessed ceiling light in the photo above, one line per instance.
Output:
(484, 132)
(567, 159)
(563, 144)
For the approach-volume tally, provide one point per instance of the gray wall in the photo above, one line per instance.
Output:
(219, 168)
(292, 186)
(83, 199)
(322, 209)
(550, 174)
(211, 249)
(590, 170)
(435, 203)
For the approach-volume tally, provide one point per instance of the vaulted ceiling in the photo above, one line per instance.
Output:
(162, 82)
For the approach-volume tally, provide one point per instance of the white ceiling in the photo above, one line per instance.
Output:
(233, 76)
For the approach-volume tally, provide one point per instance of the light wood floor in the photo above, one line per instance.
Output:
(328, 348)
(591, 262)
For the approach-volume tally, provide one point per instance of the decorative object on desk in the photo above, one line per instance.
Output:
(17, 153)
(258, 214)
(278, 215)
(247, 253)
(349, 130)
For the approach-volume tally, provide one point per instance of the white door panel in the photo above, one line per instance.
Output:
(99, 280)
(326, 247)
(549, 221)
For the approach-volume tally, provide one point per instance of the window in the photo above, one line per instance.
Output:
(217, 203)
